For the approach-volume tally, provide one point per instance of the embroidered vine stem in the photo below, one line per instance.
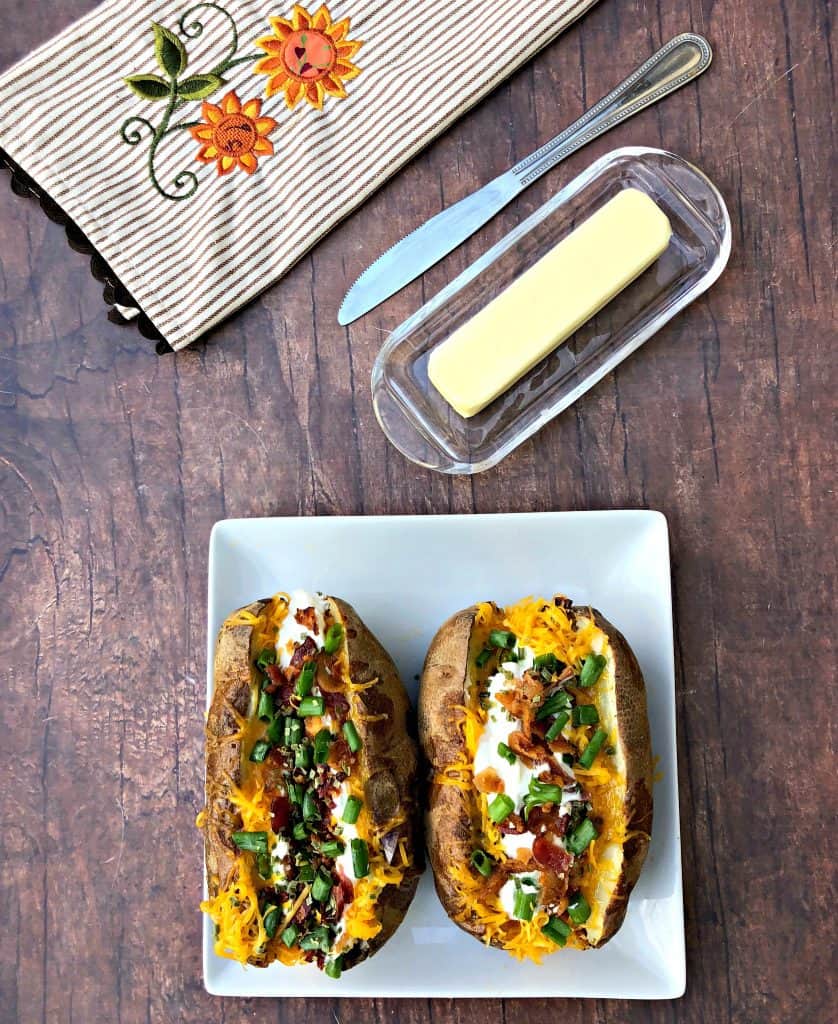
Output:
(173, 58)
(196, 29)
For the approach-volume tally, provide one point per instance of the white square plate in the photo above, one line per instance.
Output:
(405, 576)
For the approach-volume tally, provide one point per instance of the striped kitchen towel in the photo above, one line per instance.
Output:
(202, 149)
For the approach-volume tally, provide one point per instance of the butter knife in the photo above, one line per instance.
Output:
(680, 61)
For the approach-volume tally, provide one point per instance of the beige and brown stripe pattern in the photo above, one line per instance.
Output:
(189, 264)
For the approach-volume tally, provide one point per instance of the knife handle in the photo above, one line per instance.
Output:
(680, 61)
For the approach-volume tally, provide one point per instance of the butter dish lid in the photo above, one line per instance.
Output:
(425, 428)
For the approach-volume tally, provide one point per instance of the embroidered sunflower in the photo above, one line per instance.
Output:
(308, 57)
(233, 135)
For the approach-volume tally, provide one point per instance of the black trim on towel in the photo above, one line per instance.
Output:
(114, 293)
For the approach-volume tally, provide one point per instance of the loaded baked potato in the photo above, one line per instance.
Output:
(533, 720)
(310, 822)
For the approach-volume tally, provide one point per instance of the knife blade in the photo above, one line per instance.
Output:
(680, 61)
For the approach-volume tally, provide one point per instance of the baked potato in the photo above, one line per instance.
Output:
(310, 824)
(533, 721)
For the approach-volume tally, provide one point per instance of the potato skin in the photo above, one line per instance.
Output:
(451, 811)
(634, 737)
(388, 759)
(389, 763)
(233, 682)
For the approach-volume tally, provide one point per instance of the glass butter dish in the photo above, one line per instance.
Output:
(425, 428)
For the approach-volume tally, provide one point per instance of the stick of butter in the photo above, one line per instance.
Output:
(547, 303)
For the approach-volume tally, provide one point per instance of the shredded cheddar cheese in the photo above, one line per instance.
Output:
(239, 930)
(239, 927)
(253, 804)
(544, 627)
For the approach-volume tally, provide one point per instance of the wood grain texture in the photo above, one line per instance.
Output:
(115, 463)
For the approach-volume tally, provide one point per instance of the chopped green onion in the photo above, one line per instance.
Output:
(592, 669)
(507, 754)
(481, 861)
(310, 809)
(568, 759)
(289, 936)
(581, 837)
(547, 663)
(295, 793)
(578, 910)
(276, 731)
(263, 866)
(559, 701)
(259, 751)
(588, 755)
(360, 858)
(523, 906)
(322, 742)
(334, 967)
(585, 714)
(253, 842)
(311, 706)
(306, 873)
(500, 808)
(321, 887)
(305, 681)
(559, 722)
(502, 638)
(302, 756)
(270, 919)
(333, 848)
(334, 636)
(351, 810)
(352, 737)
(267, 656)
(557, 930)
(317, 939)
(293, 731)
(265, 711)
(541, 793)
(483, 657)
(299, 831)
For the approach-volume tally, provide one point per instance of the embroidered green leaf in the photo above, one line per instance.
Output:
(148, 87)
(199, 86)
(171, 53)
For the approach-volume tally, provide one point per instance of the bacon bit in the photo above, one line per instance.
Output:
(280, 812)
(307, 617)
(493, 884)
(303, 652)
(529, 752)
(343, 893)
(522, 701)
(512, 826)
(336, 703)
(302, 912)
(277, 757)
(339, 753)
(545, 819)
(488, 781)
(554, 890)
(277, 677)
(552, 857)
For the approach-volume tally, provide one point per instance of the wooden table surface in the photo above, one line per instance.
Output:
(115, 463)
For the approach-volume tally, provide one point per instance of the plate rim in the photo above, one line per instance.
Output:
(672, 983)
